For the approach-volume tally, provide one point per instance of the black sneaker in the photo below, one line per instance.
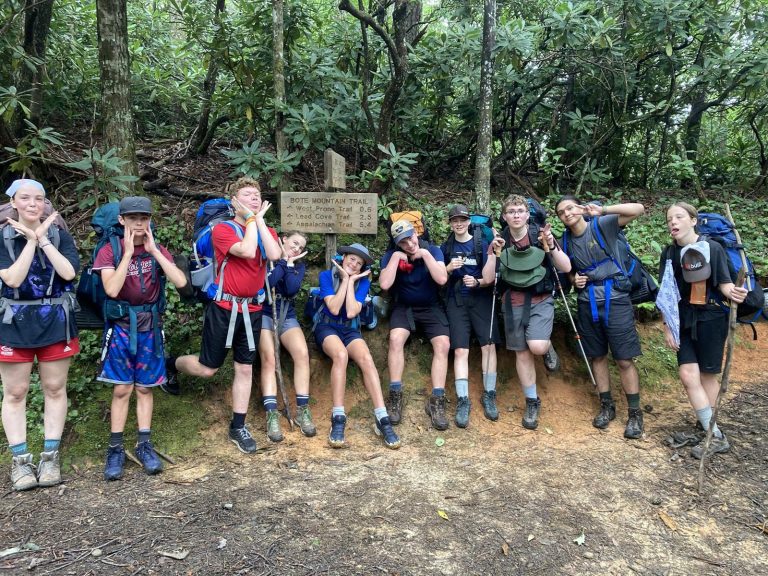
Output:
(171, 384)
(634, 429)
(551, 360)
(435, 409)
(241, 437)
(395, 406)
(531, 416)
(606, 414)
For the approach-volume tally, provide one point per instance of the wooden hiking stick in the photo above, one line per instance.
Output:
(732, 316)
(276, 320)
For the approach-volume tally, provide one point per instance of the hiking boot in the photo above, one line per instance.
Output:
(384, 429)
(489, 405)
(716, 446)
(49, 469)
(113, 470)
(242, 438)
(304, 421)
(634, 429)
(683, 438)
(551, 360)
(531, 416)
(171, 384)
(274, 433)
(435, 409)
(23, 472)
(606, 414)
(145, 453)
(463, 405)
(395, 406)
(336, 436)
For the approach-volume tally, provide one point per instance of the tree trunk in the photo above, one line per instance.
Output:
(114, 66)
(37, 24)
(485, 129)
(200, 141)
(278, 71)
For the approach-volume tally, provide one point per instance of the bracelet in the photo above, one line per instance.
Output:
(44, 245)
(250, 219)
(603, 210)
(478, 283)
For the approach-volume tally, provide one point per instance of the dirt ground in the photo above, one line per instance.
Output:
(492, 499)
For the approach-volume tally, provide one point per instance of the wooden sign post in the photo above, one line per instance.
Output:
(331, 212)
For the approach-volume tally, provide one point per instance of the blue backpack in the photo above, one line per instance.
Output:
(719, 228)
(90, 289)
(203, 267)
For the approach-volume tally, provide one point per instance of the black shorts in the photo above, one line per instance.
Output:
(472, 316)
(707, 349)
(213, 350)
(431, 320)
(620, 333)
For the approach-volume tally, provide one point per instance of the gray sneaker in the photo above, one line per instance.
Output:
(23, 475)
(49, 469)
(304, 421)
(274, 433)
(489, 405)
(463, 406)
(716, 446)
(551, 360)
(531, 416)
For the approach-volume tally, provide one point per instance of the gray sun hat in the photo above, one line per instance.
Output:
(357, 250)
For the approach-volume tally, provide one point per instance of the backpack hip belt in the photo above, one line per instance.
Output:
(120, 309)
(67, 301)
(239, 304)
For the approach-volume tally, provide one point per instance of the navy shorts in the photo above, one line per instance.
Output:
(707, 349)
(215, 327)
(145, 368)
(346, 334)
(620, 334)
(472, 316)
(431, 320)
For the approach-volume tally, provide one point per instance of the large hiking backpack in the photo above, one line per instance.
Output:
(203, 267)
(719, 228)
(416, 218)
(90, 289)
(315, 306)
(643, 287)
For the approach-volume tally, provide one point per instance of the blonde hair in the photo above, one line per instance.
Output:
(243, 182)
(692, 212)
(513, 200)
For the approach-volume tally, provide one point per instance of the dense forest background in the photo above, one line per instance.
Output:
(581, 95)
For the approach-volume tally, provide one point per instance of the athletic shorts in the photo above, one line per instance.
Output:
(145, 368)
(473, 316)
(431, 320)
(540, 321)
(707, 349)
(268, 324)
(49, 353)
(346, 334)
(213, 350)
(620, 334)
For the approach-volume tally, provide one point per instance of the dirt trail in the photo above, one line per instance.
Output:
(493, 499)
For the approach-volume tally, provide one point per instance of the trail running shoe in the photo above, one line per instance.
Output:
(274, 433)
(242, 438)
(113, 470)
(146, 454)
(336, 436)
(304, 421)
(384, 429)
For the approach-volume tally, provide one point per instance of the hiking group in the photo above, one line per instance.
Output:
(448, 293)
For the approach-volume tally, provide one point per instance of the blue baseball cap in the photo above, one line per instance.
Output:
(17, 184)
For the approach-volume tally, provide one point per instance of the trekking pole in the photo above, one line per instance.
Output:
(724, 379)
(276, 319)
(568, 310)
(497, 251)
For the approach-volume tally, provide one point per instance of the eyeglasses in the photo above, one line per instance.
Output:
(516, 212)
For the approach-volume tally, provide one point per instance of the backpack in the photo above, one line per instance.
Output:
(315, 308)
(719, 228)
(203, 267)
(641, 283)
(416, 218)
(90, 289)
